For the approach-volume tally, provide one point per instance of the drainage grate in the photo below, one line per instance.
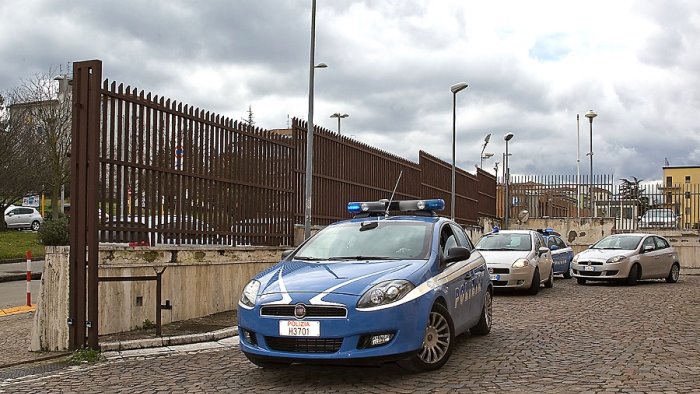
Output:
(31, 369)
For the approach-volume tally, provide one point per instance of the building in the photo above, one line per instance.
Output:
(681, 192)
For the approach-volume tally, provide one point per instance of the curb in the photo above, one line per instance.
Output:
(18, 277)
(134, 344)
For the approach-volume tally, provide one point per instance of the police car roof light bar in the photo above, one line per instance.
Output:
(380, 207)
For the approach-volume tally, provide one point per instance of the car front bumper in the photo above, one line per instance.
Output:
(516, 278)
(600, 270)
(341, 340)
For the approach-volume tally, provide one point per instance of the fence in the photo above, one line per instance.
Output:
(675, 206)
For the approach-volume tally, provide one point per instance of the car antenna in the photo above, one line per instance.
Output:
(386, 213)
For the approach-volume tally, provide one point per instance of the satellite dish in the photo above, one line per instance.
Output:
(523, 216)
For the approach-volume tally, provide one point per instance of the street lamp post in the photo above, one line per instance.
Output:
(339, 116)
(590, 115)
(310, 126)
(456, 88)
(506, 169)
(486, 142)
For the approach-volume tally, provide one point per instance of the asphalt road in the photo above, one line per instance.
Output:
(15, 293)
(572, 338)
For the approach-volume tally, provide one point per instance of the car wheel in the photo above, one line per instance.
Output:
(581, 281)
(550, 282)
(483, 327)
(633, 276)
(437, 342)
(567, 273)
(264, 363)
(35, 225)
(535, 284)
(674, 273)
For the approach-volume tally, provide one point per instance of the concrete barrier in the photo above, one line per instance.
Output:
(197, 281)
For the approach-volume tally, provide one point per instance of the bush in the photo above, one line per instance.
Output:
(55, 232)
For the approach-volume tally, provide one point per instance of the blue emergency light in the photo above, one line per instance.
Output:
(436, 204)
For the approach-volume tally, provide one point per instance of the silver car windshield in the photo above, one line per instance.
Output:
(505, 241)
(370, 240)
(624, 242)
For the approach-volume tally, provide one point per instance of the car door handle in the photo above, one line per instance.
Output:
(468, 277)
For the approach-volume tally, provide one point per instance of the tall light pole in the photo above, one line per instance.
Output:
(506, 177)
(456, 88)
(590, 115)
(310, 126)
(486, 142)
(578, 171)
(339, 116)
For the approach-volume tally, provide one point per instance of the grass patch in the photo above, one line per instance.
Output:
(14, 244)
(84, 356)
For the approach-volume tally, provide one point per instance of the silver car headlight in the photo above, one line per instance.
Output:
(250, 293)
(616, 259)
(385, 293)
(575, 259)
(521, 263)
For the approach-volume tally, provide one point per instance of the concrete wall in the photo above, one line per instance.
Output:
(198, 281)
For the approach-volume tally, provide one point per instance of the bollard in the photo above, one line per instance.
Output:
(29, 278)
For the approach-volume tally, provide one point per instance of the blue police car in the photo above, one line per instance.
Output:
(372, 289)
(562, 254)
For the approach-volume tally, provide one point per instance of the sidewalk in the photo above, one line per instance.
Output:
(213, 329)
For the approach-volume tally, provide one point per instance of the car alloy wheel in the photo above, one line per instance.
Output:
(35, 226)
(674, 274)
(483, 327)
(437, 343)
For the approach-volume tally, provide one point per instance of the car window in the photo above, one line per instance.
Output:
(505, 241)
(661, 243)
(649, 241)
(447, 239)
(372, 239)
(25, 211)
(624, 242)
(560, 243)
(462, 239)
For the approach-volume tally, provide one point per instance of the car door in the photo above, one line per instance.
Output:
(13, 218)
(544, 261)
(647, 257)
(477, 278)
(567, 252)
(664, 252)
(459, 280)
(557, 253)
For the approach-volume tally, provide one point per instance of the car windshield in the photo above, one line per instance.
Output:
(505, 241)
(624, 242)
(370, 240)
(659, 214)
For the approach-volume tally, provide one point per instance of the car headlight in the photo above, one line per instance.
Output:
(385, 293)
(616, 259)
(521, 263)
(250, 293)
(575, 259)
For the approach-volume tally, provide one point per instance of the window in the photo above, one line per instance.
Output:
(687, 179)
(462, 239)
(669, 181)
(660, 243)
(649, 242)
(447, 240)
(560, 243)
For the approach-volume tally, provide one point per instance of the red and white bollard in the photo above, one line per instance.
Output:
(29, 278)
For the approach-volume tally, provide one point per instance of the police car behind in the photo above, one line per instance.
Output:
(562, 254)
(372, 289)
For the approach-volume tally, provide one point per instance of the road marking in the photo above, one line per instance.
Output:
(17, 309)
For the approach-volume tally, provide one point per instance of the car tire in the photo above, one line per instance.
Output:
(567, 273)
(674, 273)
(438, 342)
(483, 327)
(264, 363)
(633, 276)
(35, 225)
(581, 281)
(535, 284)
(550, 282)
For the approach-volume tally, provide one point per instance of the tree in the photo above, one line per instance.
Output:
(630, 189)
(20, 157)
(40, 108)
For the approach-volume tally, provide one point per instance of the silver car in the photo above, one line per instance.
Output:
(23, 217)
(517, 259)
(627, 258)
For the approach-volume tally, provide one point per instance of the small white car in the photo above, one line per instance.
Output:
(517, 259)
(23, 218)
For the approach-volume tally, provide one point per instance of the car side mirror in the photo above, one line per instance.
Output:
(286, 254)
(10, 214)
(647, 248)
(542, 251)
(456, 253)
(553, 247)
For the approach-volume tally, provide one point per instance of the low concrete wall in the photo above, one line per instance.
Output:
(198, 281)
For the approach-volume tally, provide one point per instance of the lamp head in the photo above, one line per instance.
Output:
(487, 138)
(508, 136)
(321, 65)
(591, 114)
(458, 86)
(487, 155)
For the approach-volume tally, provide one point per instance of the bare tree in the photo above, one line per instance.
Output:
(21, 161)
(42, 105)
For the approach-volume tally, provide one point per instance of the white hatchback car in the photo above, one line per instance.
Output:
(517, 259)
(23, 218)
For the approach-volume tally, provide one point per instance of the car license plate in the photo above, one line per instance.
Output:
(300, 328)
(495, 277)
(589, 268)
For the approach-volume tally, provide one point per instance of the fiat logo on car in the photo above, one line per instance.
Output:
(299, 311)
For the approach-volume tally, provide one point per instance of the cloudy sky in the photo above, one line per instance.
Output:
(531, 66)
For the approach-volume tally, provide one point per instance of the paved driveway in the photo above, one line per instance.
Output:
(570, 338)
